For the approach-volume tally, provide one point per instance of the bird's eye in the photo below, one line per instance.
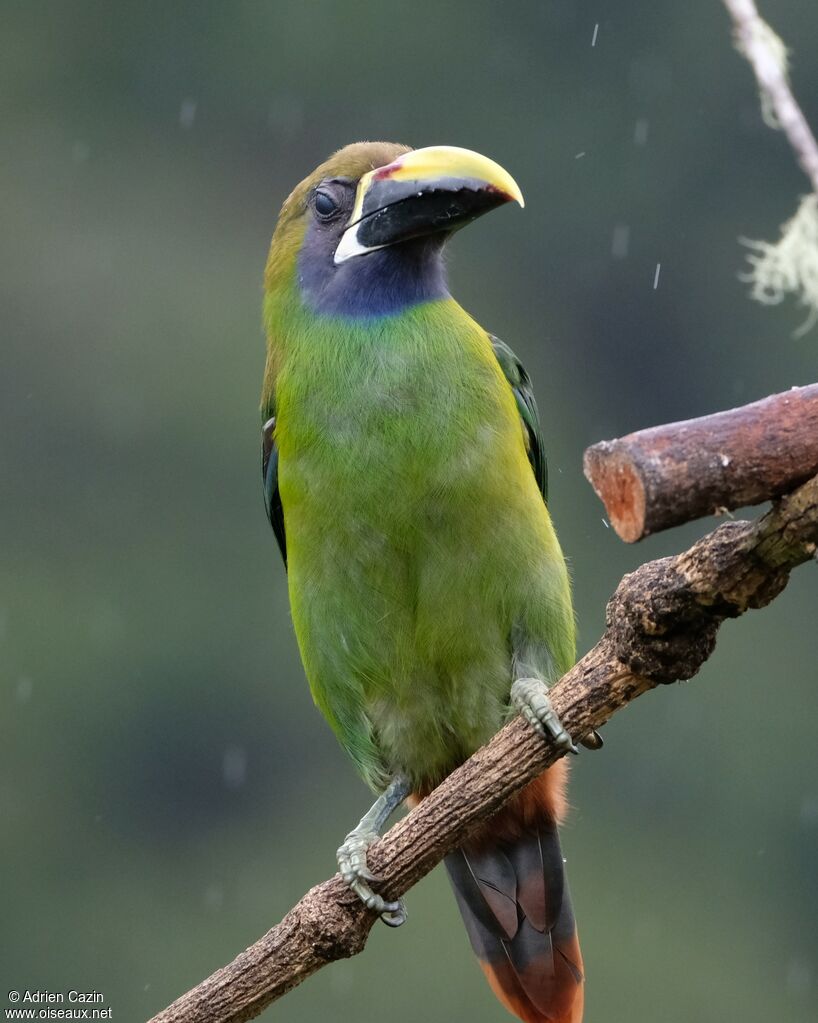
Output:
(325, 206)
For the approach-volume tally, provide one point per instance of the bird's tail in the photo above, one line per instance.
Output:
(512, 892)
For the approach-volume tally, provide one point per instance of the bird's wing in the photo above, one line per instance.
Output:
(520, 384)
(269, 476)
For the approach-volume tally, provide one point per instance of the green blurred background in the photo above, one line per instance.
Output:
(167, 788)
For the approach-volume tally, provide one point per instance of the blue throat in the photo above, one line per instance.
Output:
(380, 283)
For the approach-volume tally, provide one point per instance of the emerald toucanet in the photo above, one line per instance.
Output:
(405, 480)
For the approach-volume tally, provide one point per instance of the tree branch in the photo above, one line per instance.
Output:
(661, 477)
(767, 56)
(661, 625)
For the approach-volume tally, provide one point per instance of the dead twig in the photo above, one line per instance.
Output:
(661, 477)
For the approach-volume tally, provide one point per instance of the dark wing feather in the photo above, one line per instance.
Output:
(269, 475)
(520, 383)
(523, 392)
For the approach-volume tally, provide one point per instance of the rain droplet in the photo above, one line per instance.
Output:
(620, 241)
(640, 132)
(809, 810)
(187, 113)
(234, 767)
(214, 896)
(799, 977)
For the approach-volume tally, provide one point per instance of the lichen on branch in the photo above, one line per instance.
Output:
(790, 266)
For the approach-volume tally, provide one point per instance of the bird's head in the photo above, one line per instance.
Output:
(363, 234)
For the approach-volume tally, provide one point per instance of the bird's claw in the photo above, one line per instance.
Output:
(593, 740)
(530, 697)
(356, 875)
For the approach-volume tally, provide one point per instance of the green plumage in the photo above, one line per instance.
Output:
(405, 480)
(424, 572)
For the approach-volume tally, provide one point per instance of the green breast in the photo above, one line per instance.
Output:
(418, 542)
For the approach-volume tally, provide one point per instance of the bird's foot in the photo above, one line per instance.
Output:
(352, 854)
(530, 697)
(356, 875)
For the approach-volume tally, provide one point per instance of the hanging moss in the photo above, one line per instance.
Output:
(790, 266)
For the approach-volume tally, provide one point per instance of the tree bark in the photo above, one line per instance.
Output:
(658, 478)
(661, 625)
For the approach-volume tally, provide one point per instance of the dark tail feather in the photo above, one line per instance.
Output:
(515, 903)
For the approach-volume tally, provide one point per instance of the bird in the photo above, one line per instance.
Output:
(404, 475)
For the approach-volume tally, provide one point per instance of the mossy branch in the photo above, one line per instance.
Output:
(790, 266)
(769, 60)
